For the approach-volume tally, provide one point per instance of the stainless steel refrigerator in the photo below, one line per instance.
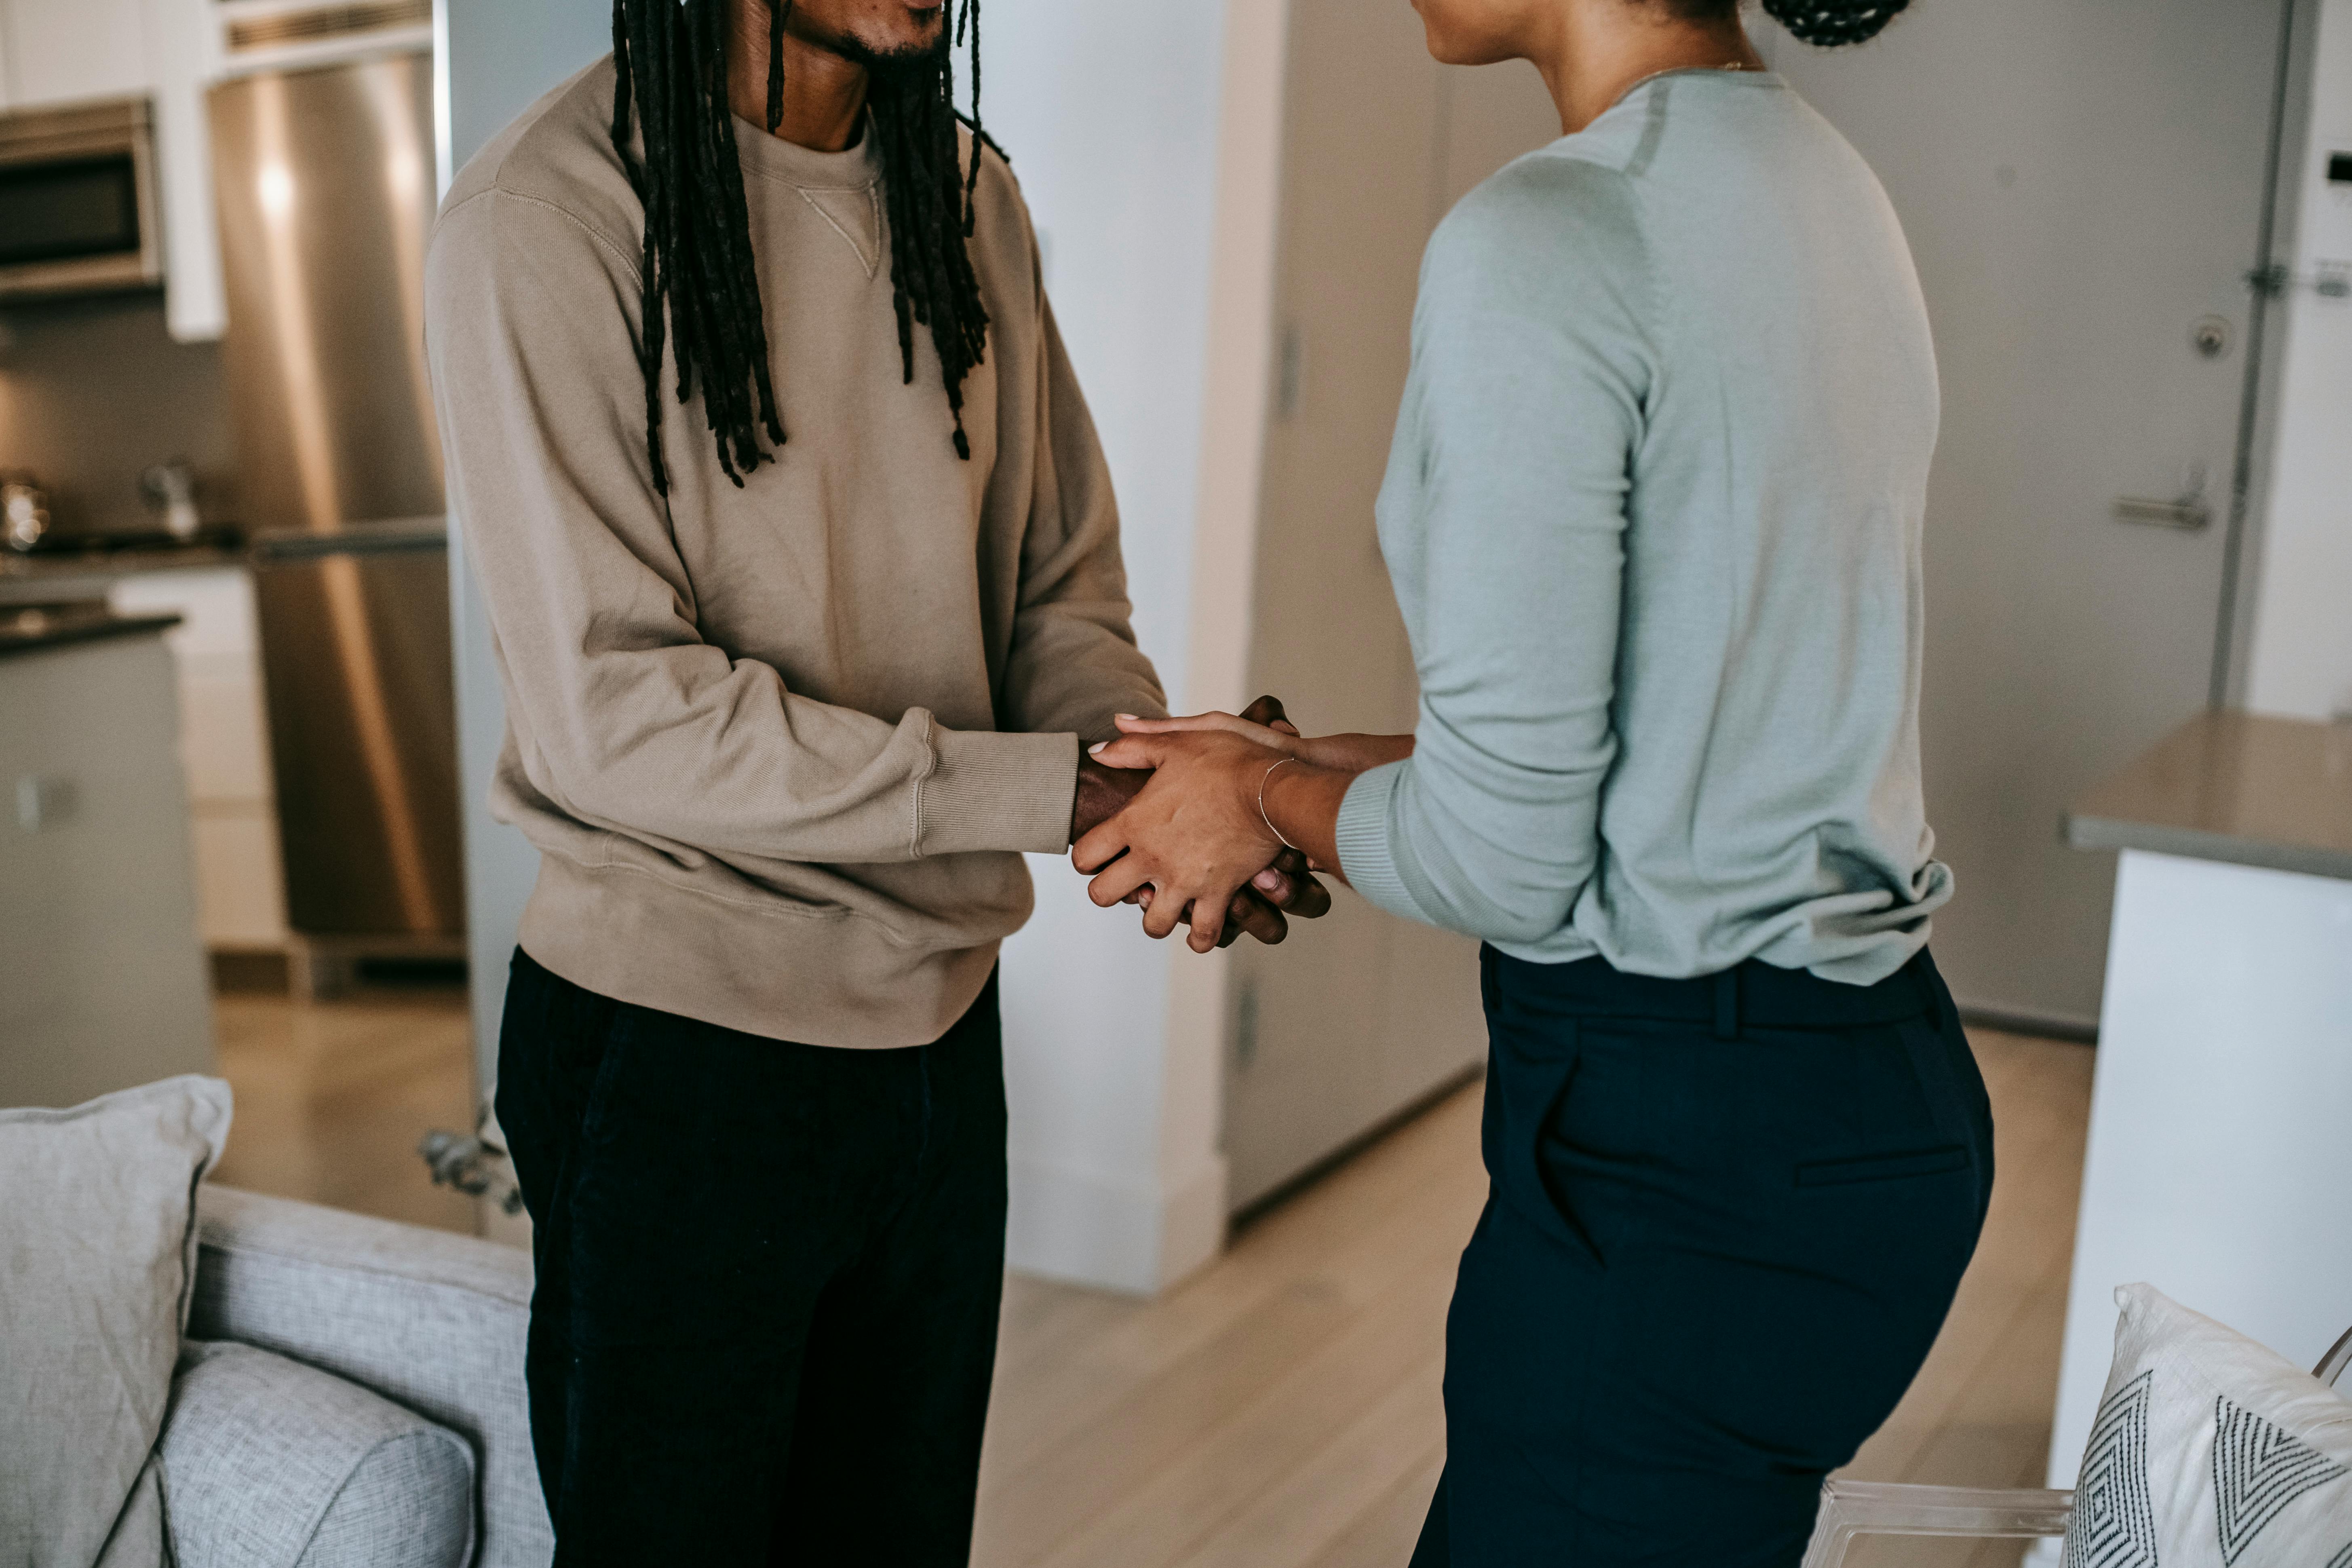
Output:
(324, 179)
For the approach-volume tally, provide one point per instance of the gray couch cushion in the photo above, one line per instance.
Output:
(436, 1323)
(270, 1464)
(97, 1243)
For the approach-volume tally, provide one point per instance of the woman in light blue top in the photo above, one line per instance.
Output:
(1653, 515)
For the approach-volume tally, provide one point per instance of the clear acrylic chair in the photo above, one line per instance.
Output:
(1851, 1509)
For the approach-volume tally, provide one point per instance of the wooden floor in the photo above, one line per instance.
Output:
(332, 1099)
(1280, 1409)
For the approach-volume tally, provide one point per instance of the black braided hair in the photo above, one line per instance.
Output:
(1834, 23)
(701, 281)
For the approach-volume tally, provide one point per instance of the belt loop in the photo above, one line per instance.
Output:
(1726, 1004)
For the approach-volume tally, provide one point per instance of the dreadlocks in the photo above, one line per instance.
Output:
(701, 286)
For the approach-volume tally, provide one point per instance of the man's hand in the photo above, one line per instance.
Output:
(1285, 887)
(1195, 835)
(1244, 862)
(1103, 794)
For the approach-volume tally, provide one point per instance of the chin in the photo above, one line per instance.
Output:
(911, 30)
(888, 32)
(1467, 32)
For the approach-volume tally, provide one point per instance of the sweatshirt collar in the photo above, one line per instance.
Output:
(773, 158)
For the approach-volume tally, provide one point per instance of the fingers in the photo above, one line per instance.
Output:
(1312, 899)
(1131, 752)
(1250, 913)
(1165, 909)
(1100, 848)
(1279, 880)
(1288, 886)
(1247, 914)
(1267, 710)
(1206, 935)
(1163, 914)
(1124, 879)
(1231, 723)
(1127, 881)
(1308, 899)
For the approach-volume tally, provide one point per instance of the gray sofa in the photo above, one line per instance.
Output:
(428, 1324)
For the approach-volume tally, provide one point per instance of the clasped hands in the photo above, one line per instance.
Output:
(1171, 818)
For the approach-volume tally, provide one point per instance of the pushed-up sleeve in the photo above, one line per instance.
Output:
(1530, 372)
(630, 720)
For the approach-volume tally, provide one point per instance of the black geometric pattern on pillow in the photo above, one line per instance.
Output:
(2342, 1559)
(2115, 1524)
(2258, 1469)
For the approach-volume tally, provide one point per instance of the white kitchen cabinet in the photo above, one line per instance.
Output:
(224, 748)
(172, 52)
(182, 48)
(105, 984)
(167, 51)
(62, 51)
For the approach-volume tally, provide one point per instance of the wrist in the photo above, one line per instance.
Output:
(1264, 812)
(1101, 794)
(1354, 753)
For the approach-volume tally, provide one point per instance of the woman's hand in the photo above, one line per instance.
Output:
(1349, 753)
(1193, 835)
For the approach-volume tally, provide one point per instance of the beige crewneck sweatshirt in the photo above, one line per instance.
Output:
(780, 747)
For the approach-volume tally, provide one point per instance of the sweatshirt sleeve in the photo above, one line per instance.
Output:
(636, 723)
(1514, 444)
(1075, 664)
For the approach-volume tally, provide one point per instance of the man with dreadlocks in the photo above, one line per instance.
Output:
(804, 567)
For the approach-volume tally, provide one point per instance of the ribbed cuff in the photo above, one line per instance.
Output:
(992, 791)
(1367, 850)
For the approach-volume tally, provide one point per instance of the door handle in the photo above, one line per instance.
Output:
(2188, 512)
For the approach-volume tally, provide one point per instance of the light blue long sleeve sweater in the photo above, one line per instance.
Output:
(1652, 514)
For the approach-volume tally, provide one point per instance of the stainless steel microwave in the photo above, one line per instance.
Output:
(79, 213)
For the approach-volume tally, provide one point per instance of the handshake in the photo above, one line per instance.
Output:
(1172, 817)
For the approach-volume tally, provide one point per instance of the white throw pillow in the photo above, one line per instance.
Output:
(98, 1251)
(2210, 1452)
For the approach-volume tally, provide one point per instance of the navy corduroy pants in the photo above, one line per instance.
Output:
(768, 1280)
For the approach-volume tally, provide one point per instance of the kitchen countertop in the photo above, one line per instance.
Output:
(55, 577)
(2232, 787)
(29, 630)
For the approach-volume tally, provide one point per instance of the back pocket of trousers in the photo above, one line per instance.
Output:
(1883, 1167)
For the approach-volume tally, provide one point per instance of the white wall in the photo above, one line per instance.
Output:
(1112, 116)
(2301, 660)
(492, 60)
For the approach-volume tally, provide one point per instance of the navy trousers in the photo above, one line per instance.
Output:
(765, 1316)
(1726, 1220)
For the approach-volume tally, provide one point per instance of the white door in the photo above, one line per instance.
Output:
(1361, 1015)
(2083, 185)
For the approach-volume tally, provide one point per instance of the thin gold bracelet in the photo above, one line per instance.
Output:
(1270, 827)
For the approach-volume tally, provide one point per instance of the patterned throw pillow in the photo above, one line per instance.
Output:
(2210, 1452)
